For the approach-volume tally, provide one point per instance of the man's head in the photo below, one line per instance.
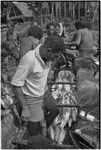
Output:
(57, 28)
(50, 28)
(82, 24)
(35, 31)
(53, 45)
(78, 25)
(86, 25)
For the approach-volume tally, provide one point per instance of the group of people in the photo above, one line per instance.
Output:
(37, 51)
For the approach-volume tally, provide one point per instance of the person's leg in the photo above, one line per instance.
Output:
(36, 115)
(33, 128)
(43, 127)
(51, 109)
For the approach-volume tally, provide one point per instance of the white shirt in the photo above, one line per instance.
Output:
(61, 29)
(32, 74)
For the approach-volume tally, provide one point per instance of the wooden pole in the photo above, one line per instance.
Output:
(65, 9)
(79, 12)
(73, 11)
(66, 105)
(62, 83)
(57, 10)
(52, 15)
(60, 10)
(85, 8)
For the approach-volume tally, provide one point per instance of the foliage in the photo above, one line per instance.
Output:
(62, 10)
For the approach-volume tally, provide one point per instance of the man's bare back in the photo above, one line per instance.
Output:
(86, 39)
(27, 44)
(83, 40)
(32, 40)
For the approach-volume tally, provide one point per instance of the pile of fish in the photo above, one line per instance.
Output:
(85, 94)
(66, 95)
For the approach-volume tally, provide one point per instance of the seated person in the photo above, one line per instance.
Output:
(61, 31)
(83, 40)
(50, 28)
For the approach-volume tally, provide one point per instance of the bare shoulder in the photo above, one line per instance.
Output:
(27, 40)
(32, 38)
(80, 31)
(84, 30)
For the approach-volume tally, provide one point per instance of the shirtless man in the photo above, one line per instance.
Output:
(83, 40)
(50, 28)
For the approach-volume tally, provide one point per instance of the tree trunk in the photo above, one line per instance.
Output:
(57, 9)
(79, 12)
(70, 9)
(52, 15)
(94, 16)
(41, 19)
(8, 10)
(65, 9)
(60, 10)
(70, 6)
(85, 8)
(73, 11)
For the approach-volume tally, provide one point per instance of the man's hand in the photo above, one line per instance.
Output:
(21, 98)
(25, 114)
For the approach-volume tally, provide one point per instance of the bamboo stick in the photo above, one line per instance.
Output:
(65, 9)
(65, 105)
(62, 83)
(79, 12)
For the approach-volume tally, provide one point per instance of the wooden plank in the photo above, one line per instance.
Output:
(61, 83)
(64, 105)
(17, 17)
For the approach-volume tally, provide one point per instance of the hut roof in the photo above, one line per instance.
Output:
(24, 8)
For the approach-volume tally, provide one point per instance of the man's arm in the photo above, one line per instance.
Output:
(20, 96)
(72, 52)
(66, 35)
(18, 81)
(77, 41)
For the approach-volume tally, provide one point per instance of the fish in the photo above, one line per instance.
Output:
(61, 136)
(51, 131)
(67, 114)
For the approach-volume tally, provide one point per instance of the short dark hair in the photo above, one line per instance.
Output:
(82, 24)
(57, 24)
(55, 42)
(86, 24)
(35, 31)
(78, 24)
(50, 24)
